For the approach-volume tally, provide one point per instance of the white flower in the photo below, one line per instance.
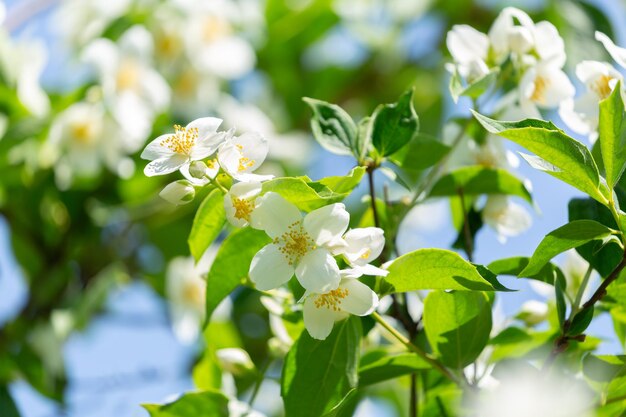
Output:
(83, 20)
(361, 247)
(134, 90)
(542, 38)
(505, 217)
(469, 49)
(235, 361)
(581, 115)
(178, 192)
(171, 152)
(240, 202)
(299, 245)
(185, 290)
(322, 310)
(533, 312)
(544, 86)
(241, 155)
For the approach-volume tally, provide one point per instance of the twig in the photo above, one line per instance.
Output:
(467, 233)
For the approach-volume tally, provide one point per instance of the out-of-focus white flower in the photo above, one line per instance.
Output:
(238, 408)
(171, 152)
(185, 290)
(581, 115)
(507, 218)
(469, 49)
(81, 140)
(533, 312)
(178, 192)
(211, 39)
(134, 90)
(80, 21)
(241, 155)
(240, 202)
(526, 393)
(544, 86)
(541, 38)
(322, 310)
(300, 245)
(617, 53)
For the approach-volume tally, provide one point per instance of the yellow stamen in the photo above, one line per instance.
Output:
(127, 76)
(541, 84)
(83, 132)
(243, 208)
(193, 294)
(366, 254)
(215, 28)
(602, 86)
(295, 243)
(182, 141)
(332, 299)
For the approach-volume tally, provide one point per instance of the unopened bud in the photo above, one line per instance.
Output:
(533, 312)
(198, 169)
(178, 192)
(520, 39)
(235, 361)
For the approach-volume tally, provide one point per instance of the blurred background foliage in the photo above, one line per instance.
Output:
(83, 223)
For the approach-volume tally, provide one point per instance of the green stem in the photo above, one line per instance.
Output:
(259, 381)
(414, 348)
(579, 294)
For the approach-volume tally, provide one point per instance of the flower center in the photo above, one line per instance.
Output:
(193, 294)
(244, 162)
(127, 76)
(83, 132)
(182, 140)
(366, 254)
(541, 84)
(295, 243)
(332, 299)
(215, 28)
(243, 208)
(602, 86)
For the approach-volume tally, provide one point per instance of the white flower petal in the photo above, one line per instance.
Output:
(360, 300)
(274, 215)
(206, 126)
(252, 177)
(363, 245)
(164, 166)
(505, 217)
(371, 270)
(466, 44)
(154, 150)
(269, 268)
(318, 272)
(319, 321)
(327, 223)
(206, 146)
(617, 53)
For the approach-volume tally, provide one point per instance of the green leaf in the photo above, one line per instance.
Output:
(474, 89)
(557, 154)
(515, 265)
(379, 365)
(205, 404)
(231, 265)
(612, 135)
(581, 321)
(561, 307)
(421, 153)
(564, 238)
(478, 180)
(309, 195)
(394, 125)
(603, 260)
(435, 269)
(207, 224)
(457, 325)
(333, 128)
(7, 405)
(319, 374)
(604, 368)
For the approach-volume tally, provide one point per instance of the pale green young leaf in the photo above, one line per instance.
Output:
(205, 403)
(566, 237)
(457, 325)
(231, 265)
(557, 154)
(477, 180)
(207, 224)
(474, 89)
(394, 125)
(612, 135)
(515, 265)
(309, 195)
(319, 374)
(333, 128)
(435, 269)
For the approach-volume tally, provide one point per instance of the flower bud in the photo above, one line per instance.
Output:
(178, 192)
(198, 169)
(520, 39)
(533, 312)
(235, 361)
